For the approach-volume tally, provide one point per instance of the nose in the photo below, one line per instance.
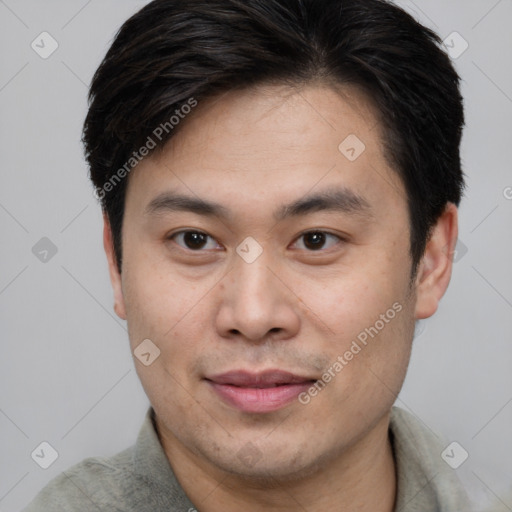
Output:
(257, 304)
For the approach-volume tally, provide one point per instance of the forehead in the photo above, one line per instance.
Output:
(273, 143)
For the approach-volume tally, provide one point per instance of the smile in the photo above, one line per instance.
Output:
(259, 392)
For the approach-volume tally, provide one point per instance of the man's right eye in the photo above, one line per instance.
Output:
(195, 240)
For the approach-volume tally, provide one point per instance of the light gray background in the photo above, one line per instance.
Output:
(66, 374)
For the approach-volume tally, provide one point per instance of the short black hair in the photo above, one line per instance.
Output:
(175, 53)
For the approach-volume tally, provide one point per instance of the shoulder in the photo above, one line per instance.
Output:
(426, 481)
(137, 479)
(93, 484)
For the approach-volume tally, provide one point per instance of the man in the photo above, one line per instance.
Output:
(280, 182)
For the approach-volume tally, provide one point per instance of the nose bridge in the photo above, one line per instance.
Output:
(255, 302)
(253, 288)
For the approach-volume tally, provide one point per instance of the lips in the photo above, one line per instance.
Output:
(259, 392)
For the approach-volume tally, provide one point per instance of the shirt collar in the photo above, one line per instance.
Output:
(424, 481)
(152, 465)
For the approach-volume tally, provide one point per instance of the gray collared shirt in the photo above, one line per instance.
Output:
(141, 479)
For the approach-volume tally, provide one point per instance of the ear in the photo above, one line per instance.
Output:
(115, 276)
(435, 269)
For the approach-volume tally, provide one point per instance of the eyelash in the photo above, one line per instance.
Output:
(326, 234)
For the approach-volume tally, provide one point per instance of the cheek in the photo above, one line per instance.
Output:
(349, 301)
(375, 353)
(156, 298)
(160, 308)
(370, 323)
(177, 316)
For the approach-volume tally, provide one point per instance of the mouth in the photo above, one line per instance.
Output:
(259, 392)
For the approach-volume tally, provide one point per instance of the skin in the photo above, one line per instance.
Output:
(294, 308)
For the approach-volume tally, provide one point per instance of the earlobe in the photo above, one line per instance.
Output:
(115, 276)
(435, 269)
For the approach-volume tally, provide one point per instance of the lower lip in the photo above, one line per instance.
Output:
(259, 400)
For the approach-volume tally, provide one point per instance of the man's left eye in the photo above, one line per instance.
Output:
(316, 241)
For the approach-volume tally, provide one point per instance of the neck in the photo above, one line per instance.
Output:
(362, 478)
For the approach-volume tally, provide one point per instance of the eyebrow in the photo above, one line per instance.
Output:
(337, 199)
(171, 202)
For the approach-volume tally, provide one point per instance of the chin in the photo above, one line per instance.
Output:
(266, 466)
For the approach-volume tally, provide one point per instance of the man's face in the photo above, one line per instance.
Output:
(232, 324)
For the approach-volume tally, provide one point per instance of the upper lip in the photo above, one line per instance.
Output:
(265, 379)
